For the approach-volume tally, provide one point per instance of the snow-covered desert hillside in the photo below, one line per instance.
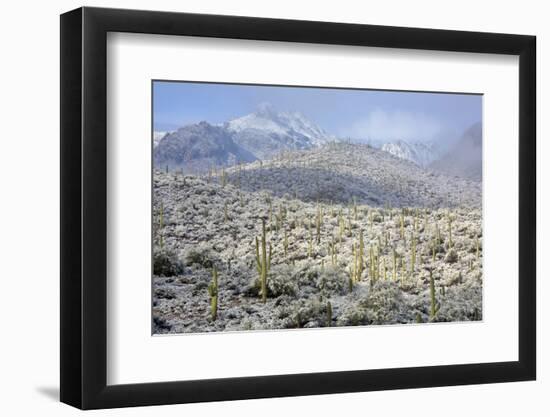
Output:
(336, 235)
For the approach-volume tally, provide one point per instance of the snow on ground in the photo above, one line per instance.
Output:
(317, 203)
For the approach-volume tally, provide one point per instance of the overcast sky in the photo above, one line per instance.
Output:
(356, 114)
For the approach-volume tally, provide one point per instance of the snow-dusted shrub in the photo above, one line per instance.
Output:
(306, 311)
(384, 304)
(281, 281)
(166, 263)
(201, 254)
(160, 324)
(332, 280)
(352, 315)
(451, 257)
(460, 303)
(165, 293)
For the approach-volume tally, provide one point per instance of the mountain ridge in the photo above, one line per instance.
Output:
(262, 134)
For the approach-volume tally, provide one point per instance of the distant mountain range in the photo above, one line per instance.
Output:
(266, 133)
(259, 135)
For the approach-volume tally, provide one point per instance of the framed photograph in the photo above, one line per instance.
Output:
(257, 208)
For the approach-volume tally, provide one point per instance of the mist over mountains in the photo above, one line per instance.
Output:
(465, 158)
(266, 133)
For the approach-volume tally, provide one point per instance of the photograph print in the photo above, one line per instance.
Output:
(285, 207)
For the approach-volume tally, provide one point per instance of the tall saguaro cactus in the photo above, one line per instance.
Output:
(433, 303)
(450, 221)
(394, 265)
(318, 223)
(332, 252)
(263, 262)
(413, 253)
(213, 292)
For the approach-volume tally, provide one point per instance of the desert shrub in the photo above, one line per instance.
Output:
(160, 325)
(451, 257)
(253, 288)
(331, 280)
(352, 315)
(166, 263)
(384, 304)
(376, 218)
(460, 303)
(281, 281)
(165, 293)
(302, 312)
(199, 255)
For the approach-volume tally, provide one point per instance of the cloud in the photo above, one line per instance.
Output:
(395, 125)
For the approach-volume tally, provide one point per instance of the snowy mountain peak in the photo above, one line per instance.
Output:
(157, 136)
(267, 120)
(421, 153)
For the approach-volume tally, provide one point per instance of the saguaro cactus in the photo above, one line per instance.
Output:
(213, 292)
(361, 251)
(332, 252)
(450, 222)
(329, 314)
(433, 302)
(341, 225)
(425, 219)
(263, 262)
(356, 268)
(394, 265)
(413, 253)
(318, 222)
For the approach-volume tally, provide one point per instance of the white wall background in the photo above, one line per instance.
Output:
(29, 225)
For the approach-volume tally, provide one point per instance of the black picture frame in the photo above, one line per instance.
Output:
(84, 207)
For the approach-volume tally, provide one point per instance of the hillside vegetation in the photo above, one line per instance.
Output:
(337, 235)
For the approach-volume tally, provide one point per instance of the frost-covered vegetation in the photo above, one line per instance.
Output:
(340, 235)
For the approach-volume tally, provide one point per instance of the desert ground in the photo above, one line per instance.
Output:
(341, 235)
